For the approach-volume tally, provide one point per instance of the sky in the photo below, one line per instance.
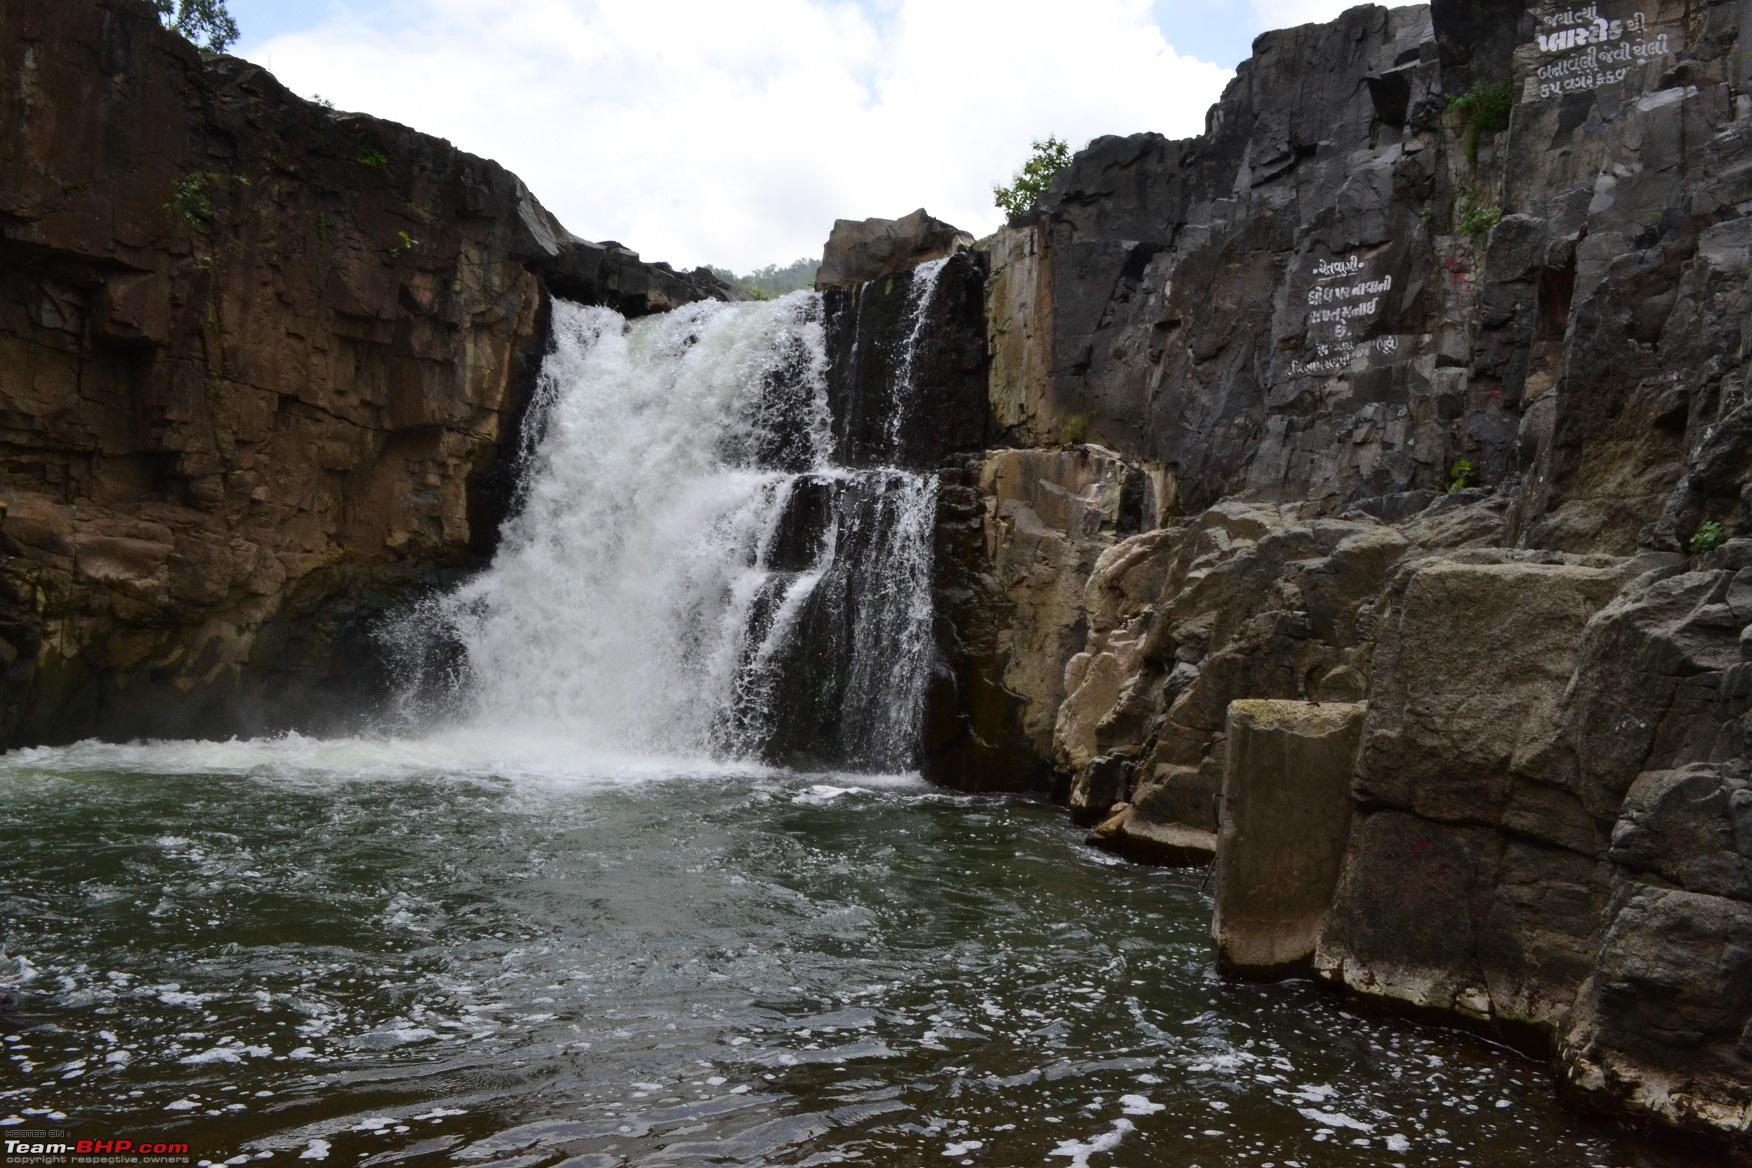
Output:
(734, 132)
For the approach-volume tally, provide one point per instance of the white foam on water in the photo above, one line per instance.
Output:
(536, 758)
(1079, 1151)
(1334, 1119)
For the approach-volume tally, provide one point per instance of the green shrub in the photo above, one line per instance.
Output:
(191, 200)
(1050, 157)
(1074, 429)
(1707, 538)
(1461, 476)
(1474, 220)
(201, 22)
(404, 243)
(375, 159)
(1484, 107)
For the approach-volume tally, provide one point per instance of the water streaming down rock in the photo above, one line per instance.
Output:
(687, 572)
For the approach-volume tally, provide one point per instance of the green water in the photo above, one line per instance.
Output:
(382, 953)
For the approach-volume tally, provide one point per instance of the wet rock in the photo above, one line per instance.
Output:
(1285, 822)
(1661, 1025)
(906, 379)
(1136, 835)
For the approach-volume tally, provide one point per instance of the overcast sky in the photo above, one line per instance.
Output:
(735, 131)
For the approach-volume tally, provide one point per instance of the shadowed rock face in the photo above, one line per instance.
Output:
(907, 368)
(261, 367)
(1186, 302)
(1299, 324)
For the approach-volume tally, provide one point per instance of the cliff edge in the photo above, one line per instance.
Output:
(262, 366)
(1414, 387)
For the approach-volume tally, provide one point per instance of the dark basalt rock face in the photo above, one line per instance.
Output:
(907, 367)
(1294, 329)
(261, 369)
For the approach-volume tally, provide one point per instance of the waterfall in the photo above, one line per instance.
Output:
(686, 572)
(906, 375)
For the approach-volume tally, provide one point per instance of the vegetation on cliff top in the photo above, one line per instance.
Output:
(772, 281)
(203, 22)
(1050, 157)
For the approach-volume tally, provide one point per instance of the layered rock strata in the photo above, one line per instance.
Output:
(261, 370)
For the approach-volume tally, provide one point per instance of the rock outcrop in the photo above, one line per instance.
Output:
(861, 250)
(261, 371)
(1432, 352)
(1286, 819)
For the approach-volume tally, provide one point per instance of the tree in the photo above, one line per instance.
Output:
(772, 281)
(202, 22)
(1050, 157)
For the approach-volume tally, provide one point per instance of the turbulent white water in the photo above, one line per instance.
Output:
(635, 605)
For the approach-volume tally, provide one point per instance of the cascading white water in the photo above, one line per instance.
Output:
(646, 596)
(906, 373)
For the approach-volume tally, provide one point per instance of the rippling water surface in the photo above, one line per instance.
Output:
(441, 952)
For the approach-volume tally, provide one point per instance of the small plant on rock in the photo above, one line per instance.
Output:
(1075, 429)
(1461, 476)
(1707, 538)
(1476, 221)
(1484, 107)
(191, 200)
(369, 157)
(404, 243)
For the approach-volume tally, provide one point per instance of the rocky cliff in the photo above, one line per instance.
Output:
(1388, 443)
(261, 364)
(1355, 493)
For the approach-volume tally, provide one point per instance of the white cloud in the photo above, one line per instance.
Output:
(699, 130)
(1287, 13)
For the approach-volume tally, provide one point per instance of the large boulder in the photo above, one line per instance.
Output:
(1019, 533)
(861, 250)
(1286, 820)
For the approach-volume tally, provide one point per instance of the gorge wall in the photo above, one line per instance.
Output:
(1368, 400)
(262, 365)
(1194, 422)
